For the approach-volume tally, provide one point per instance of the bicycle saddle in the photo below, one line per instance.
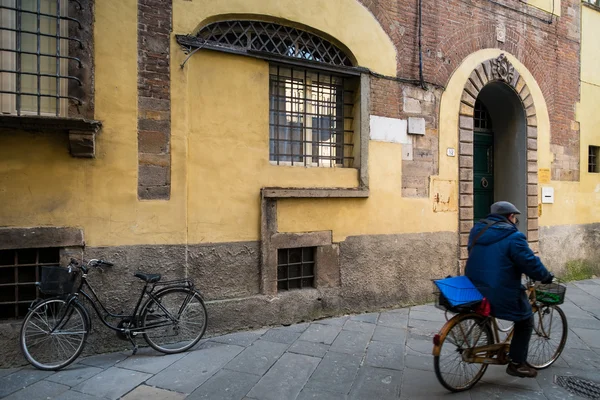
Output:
(150, 278)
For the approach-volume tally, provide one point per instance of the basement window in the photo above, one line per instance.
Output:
(296, 268)
(593, 157)
(19, 272)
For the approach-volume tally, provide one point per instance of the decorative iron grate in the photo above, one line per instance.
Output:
(481, 117)
(295, 268)
(34, 59)
(19, 272)
(310, 118)
(268, 37)
(578, 386)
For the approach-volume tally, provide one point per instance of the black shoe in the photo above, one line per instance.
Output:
(521, 370)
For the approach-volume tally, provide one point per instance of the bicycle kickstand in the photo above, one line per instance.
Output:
(135, 346)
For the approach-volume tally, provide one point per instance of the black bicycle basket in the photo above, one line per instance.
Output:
(57, 281)
(551, 293)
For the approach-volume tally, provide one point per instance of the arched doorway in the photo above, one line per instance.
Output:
(499, 151)
(498, 148)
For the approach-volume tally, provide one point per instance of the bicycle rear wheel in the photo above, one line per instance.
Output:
(53, 334)
(175, 322)
(549, 336)
(464, 331)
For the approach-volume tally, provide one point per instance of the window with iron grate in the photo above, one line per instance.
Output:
(593, 158)
(19, 272)
(296, 268)
(34, 57)
(311, 118)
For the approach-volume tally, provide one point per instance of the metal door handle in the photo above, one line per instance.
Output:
(484, 183)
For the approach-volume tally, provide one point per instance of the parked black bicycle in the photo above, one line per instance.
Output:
(172, 319)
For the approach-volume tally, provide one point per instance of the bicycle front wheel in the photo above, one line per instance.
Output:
(463, 332)
(175, 321)
(53, 334)
(549, 336)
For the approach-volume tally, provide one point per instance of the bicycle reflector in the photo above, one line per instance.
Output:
(484, 308)
(436, 340)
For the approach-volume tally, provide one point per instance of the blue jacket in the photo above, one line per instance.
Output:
(500, 255)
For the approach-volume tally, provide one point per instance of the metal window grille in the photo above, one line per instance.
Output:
(481, 117)
(310, 118)
(34, 60)
(19, 272)
(272, 38)
(295, 268)
(593, 155)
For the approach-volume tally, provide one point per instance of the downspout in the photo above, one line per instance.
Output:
(421, 79)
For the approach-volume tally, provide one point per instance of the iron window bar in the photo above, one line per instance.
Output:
(481, 118)
(295, 268)
(305, 129)
(11, 303)
(14, 86)
(593, 154)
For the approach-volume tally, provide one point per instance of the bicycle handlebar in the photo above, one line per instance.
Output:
(91, 263)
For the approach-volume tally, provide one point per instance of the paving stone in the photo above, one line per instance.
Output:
(358, 326)
(577, 357)
(370, 318)
(151, 363)
(239, 338)
(7, 371)
(320, 333)
(257, 358)
(487, 391)
(575, 342)
(21, 379)
(385, 355)
(41, 390)
(309, 348)
(425, 308)
(419, 347)
(281, 335)
(313, 394)
(104, 361)
(574, 311)
(144, 392)
(496, 374)
(73, 375)
(196, 368)
(225, 385)
(376, 383)
(552, 391)
(590, 288)
(393, 320)
(420, 362)
(112, 383)
(297, 327)
(286, 378)
(351, 342)
(389, 335)
(335, 373)
(589, 336)
(437, 315)
(586, 323)
(209, 344)
(424, 328)
(340, 321)
(74, 395)
(423, 385)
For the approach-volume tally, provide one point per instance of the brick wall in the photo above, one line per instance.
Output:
(453, 29)
(154, 99)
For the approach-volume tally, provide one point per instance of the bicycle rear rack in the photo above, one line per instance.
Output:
(185, 282)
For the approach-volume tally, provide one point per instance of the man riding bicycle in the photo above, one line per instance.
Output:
(498, 255)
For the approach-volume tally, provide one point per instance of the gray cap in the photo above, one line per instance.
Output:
(504, 208)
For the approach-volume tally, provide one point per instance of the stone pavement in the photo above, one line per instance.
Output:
(383, 355)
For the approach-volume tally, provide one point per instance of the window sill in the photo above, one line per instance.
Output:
(301, 193)
(82, 132)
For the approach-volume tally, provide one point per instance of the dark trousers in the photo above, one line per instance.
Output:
(519, 344)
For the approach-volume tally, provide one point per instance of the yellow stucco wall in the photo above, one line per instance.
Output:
(345, 20)
(551, 6)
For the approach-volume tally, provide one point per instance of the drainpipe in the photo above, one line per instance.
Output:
(421, 79)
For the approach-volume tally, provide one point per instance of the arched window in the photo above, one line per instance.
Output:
(312, 88)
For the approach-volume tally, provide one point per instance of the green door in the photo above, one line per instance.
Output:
(483, 162)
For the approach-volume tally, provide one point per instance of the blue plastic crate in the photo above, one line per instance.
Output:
(458, 290)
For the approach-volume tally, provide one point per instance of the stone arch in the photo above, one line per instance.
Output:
(492, 70)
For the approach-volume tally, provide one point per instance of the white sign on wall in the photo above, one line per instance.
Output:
(391, 130)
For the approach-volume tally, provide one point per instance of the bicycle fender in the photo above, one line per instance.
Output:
(437, 346)
(86, 314)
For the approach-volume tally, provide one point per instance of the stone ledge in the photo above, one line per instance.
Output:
(302, 239)
(40, 237)
(82, 132)
(299, 193)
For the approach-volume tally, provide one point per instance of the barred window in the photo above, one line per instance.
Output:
(296, 268)
(34, 62)
(311, 118)
(593, 158)
(594, 2)
(19, 272)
